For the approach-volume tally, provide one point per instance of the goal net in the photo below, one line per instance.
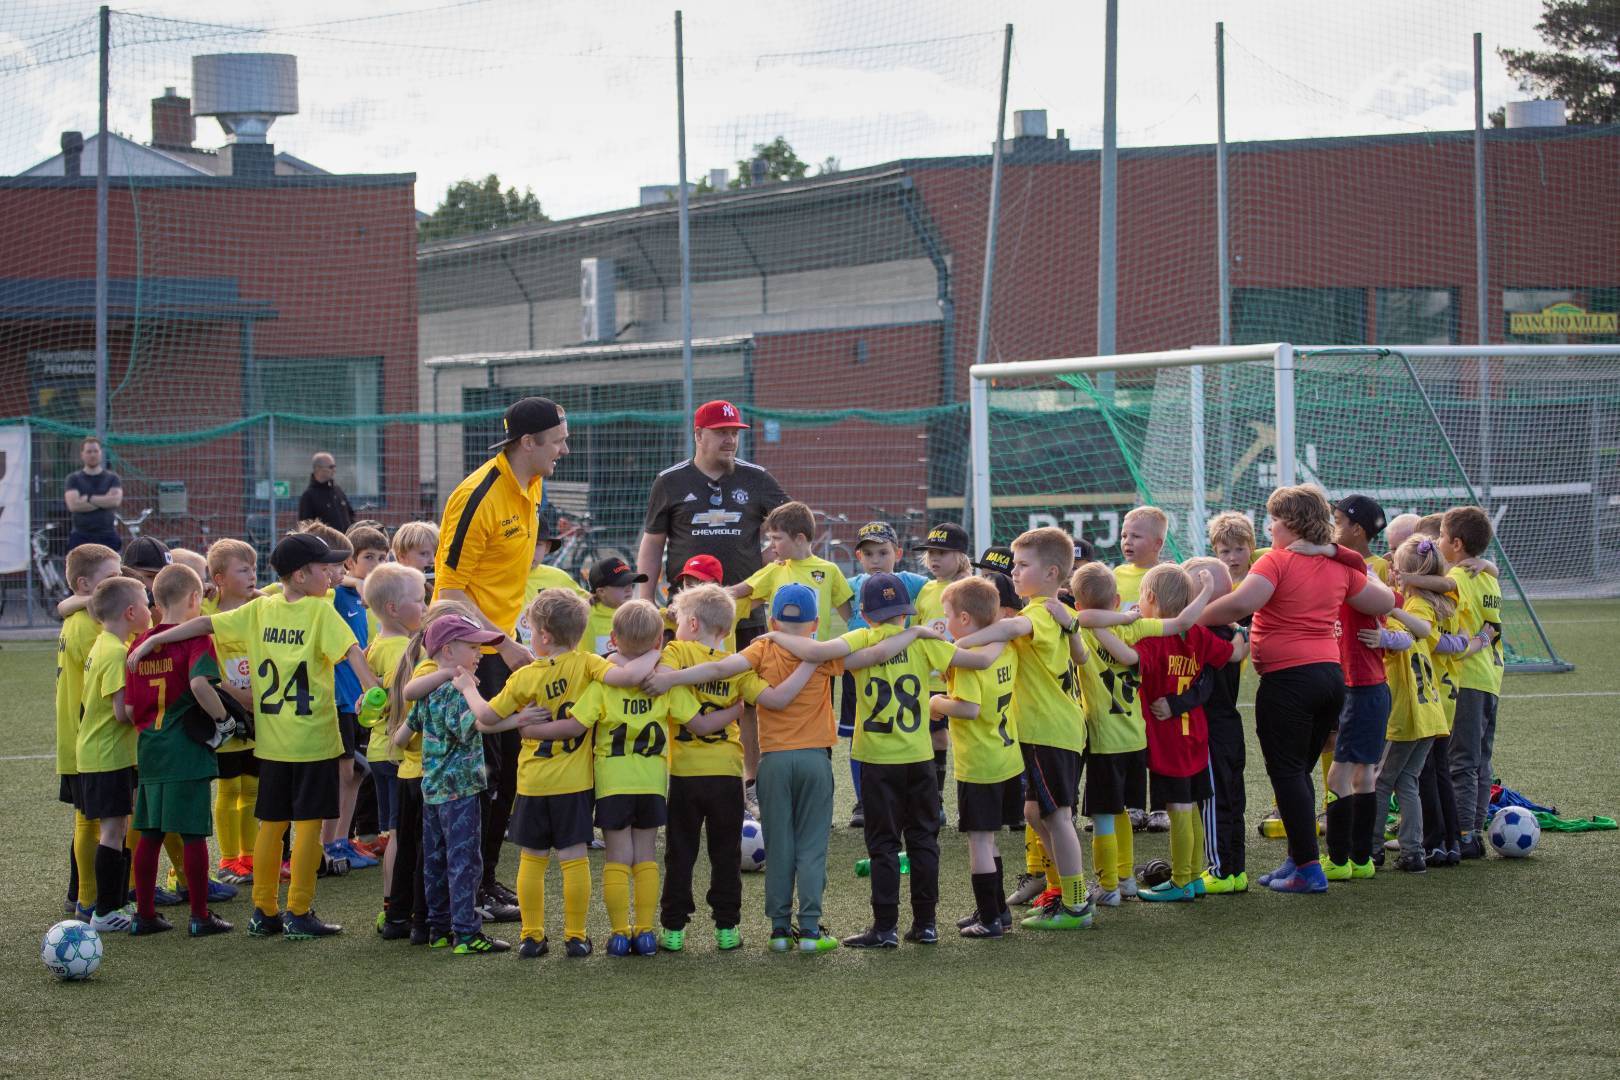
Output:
(1529, 433)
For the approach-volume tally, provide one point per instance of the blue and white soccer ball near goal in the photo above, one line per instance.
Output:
(753, 845)
(72, 950)
(1514, 832)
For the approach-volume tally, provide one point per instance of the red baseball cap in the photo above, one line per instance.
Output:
(718, 414)
(704, 568)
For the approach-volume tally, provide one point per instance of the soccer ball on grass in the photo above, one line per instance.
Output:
(72, 950)
(1514, 832)
(753, 845)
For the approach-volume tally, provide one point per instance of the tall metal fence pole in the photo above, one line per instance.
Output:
(981, 347)
(686, 235)
(101, 225)
(1223, 255)
(1108, 204)
(1482, 277)
(270, 473)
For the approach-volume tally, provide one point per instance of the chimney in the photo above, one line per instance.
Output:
(719, 178)
(173, 127)
(72, 153)
(756, 170)
(256, 159)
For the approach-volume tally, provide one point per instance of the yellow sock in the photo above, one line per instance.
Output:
(1105, 857)
(306, 860)
(177, 858)
(1124, 846)
(616, 896)
(1053, 880)
(1034, 853)
(267, 866)
(1074, 889)
(1327, 763)
(1181, 846)
(227, 826)
(86, 835)
(576, 875)
(646, 879)
(531, 890)
(1200, 864)
(245, 807)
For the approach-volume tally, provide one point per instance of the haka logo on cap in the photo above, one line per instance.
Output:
(939, 535)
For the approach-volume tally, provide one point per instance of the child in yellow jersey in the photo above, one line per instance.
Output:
(788, 530)
(612, 583)
(892, 668)
(542, 575)
(1416, 714)
(706, 767)
(989, 766)
(946, 555)
(415, 544)
(631, 732)
(294, 642)
(1141, 541)
(704, 570)
(395, 597)
(555, 782)
(1465, 534)
(233, 570)
(88, 565)
(104, 752)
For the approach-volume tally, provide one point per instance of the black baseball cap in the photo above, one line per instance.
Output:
(294, 552)
(146, 553)
(1008, 595)
(877, 532)
(883, 596)
(1084, 550)
(1364, 511)
(614, 571)
(946, 536)
(529, 416)
(996, 558)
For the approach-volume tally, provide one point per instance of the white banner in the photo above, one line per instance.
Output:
(14, 473)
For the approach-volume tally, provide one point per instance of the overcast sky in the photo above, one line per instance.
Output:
(577, 101)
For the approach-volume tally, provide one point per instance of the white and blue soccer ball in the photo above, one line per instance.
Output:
(72, 950)
(753, 845)
(1514, 832)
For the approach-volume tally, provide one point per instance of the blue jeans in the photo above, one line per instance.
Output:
(453, 864)
(385, 779)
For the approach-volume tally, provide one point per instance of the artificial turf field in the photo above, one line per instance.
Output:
(1498, 968)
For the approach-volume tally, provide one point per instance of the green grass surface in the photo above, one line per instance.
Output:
(1499, 967)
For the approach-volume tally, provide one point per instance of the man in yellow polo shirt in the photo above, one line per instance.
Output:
(486, 544)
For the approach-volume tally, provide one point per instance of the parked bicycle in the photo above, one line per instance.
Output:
(828, 546)
(50, 578)
(581, 545)
(132, 525)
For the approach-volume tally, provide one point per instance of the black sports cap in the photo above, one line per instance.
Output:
(293, 553)
(946, 536)
(1364, 511)
(998, 558)
(529, 416)
(613, 571)
(1084, 550)
(1008, 595)
(146, 553)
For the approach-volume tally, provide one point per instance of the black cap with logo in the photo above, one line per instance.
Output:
(996, 558)
(1364, 511)
(146, 553)
(613, 571)
(529, 416)
(946, 536)
(293, 553)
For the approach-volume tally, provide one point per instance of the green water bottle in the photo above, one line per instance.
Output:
(373, 707)
(863, 867)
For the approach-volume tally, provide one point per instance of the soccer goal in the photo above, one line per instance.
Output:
(1530, 432)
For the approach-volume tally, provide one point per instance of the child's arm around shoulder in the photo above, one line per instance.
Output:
(202, 624)
(76, 602)
(880, 651)
(486, 719)
(943, 705)
(1001, 630)
(661, 679)
(422, 685)
(782, 695)
(627, 673)
(1113, 646)
(804, 648)
(981, 658)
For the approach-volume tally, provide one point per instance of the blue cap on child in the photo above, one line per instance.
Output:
(794, 603)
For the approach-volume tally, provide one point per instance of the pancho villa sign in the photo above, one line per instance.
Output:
(1564, 319)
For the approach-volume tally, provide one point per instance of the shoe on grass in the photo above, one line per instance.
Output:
(1169, 891)
(727, 938)
(116, 921)
(873, 938)
(817, 941)
(1101, 897)
(1336, 871)
(1028, 888)
(857, 819)
(1128, 888)
(576, 948)
(645, 943)
(1412, 863)
(166, 897)
(781, 940)
(1057, 915)
(925, 934)
(1224, 886)
(1304, 879)
(479, 944)
(1286, 870)
(308, 926)
(982, 931)
(618, 945)
(207, 926)
(672, 940)
(263, 925)
(1364, 869)
(530, 949)
(141, 926)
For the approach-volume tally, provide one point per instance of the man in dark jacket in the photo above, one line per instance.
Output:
(323, 500)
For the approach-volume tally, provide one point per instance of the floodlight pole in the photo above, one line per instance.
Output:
(1108, 204)
(686, 237)
(1482, 277)
(101, 226)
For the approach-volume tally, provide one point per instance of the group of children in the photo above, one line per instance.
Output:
(1042, 667)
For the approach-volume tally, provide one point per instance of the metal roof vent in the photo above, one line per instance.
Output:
(245, 92)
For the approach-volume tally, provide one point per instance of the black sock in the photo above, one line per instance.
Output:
(73, 875)
(1001, 888)
(986, 897)
(111, 878)
(1338, 828)
(939, 770)
(1363, 825)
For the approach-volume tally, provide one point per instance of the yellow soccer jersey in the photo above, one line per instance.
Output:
(410, 761)
(1448, 670)
(719, 753)
(105, 742)
(832, 588)
(382, 657)
(1415, 709)
(891, 698)
(543, 577)
(1128, 579)
(234, 670)
(1114, 722)
(1379, 565)
(930, 605)
(1479, 601)
(73, 644)
(631, 731)
(729, 646)
(985, 748)
(1046, 697)
(556, 683)
(597, 638)
(292, 649)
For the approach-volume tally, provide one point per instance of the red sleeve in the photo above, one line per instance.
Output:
(1211, 649)
(1269, 566)
(1345, 557)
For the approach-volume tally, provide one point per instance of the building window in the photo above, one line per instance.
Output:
(321, 387)
(1300, 316)
(1417, 317)
(1552, 316)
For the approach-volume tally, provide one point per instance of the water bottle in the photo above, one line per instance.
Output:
(863, 867)
(373, 707)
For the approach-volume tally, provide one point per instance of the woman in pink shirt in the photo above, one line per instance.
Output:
(1294, 594)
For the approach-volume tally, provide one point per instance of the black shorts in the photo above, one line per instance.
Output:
(1114, 783)
(543, 822)
(1295, 710)
(1051, 777)
(983, 807)
(349, 730)
(297, 790)
(108, 794)
(631, 812)
(67, 790)
(234, 763)
(1183, 789)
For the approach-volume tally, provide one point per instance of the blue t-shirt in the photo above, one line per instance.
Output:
(452, 749)
(353, 610)
(99, 520)
(913, 582)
